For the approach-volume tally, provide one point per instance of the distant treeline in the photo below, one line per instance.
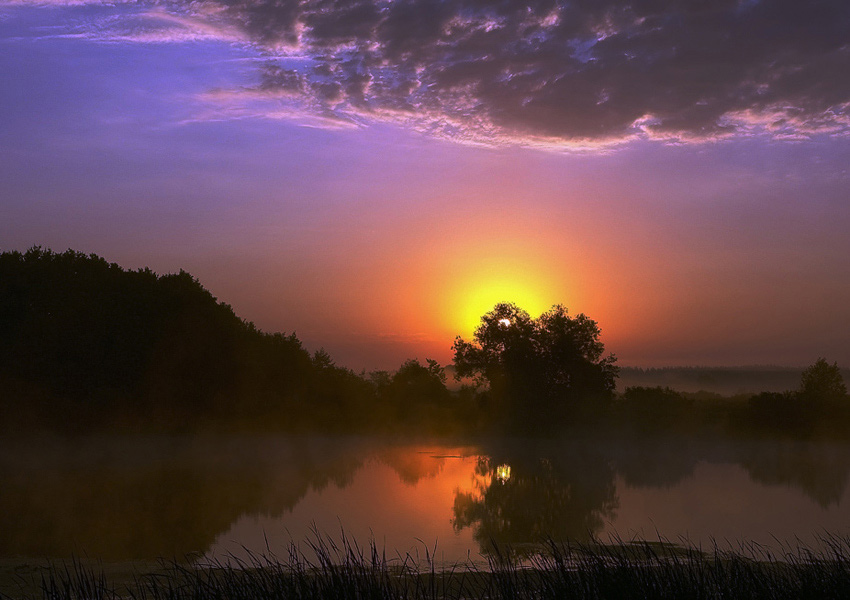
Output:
(727, 381)
(86, 345)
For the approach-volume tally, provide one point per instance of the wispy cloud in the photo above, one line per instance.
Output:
(152, 26)
(532, 71)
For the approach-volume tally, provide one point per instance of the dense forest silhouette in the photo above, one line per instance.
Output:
(86, 345)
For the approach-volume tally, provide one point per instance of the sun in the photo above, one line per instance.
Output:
(480, 297)
(475, 273)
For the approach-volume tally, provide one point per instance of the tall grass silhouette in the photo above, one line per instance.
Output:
(343, 569)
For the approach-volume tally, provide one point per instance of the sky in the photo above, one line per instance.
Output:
(375, 175)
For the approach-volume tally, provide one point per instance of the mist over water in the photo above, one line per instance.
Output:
(212, 497)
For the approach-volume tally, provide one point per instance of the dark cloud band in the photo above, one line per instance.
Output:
(587, 71)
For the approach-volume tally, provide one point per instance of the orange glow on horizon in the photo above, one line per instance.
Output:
(430, 288)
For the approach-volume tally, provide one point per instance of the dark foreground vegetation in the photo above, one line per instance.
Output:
(87, 346)
(616, 570)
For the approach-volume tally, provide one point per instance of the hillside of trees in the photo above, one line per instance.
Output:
(85, 344)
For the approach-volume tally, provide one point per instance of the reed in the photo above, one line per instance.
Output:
(329, 569)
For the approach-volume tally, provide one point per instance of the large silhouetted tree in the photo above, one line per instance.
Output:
(539, 371)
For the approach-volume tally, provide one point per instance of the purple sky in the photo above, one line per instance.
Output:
(375, 175)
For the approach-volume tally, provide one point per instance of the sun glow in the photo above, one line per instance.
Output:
(473, 270)
(480, 297)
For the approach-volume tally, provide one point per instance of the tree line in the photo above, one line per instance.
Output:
(88, 345)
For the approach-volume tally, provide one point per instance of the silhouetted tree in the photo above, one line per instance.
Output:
(819, 406)
(339, 399)
(417, 393)
(538, 370)
(417, 381)
(823, 381)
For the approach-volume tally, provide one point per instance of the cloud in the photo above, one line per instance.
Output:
(62, 3)
(587, 72)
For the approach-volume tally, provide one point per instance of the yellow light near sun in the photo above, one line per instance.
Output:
(487, 281)
(501, 260)
(481, 297)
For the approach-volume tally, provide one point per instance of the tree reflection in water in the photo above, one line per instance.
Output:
(819, 470)
(527, 492)
(530, 491)
(151, 497)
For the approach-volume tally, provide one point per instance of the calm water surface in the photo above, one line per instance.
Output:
(211, 497)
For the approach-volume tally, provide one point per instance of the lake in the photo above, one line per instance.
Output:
(211, 497)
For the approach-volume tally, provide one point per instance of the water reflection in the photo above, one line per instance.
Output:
(151, 497)
(819, 470)
(146, 498)
(527, 491)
